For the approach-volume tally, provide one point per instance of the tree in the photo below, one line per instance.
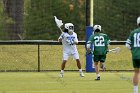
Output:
(117, 17)
(39, 21)
(14, 10)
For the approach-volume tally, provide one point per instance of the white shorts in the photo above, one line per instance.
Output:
(66, 55)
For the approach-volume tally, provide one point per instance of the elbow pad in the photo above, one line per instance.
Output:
(128, 46)
(88, 45)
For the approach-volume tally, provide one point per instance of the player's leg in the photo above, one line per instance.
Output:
(63, 64)
(79, 67)
(102, 62)
(96, 60)
(65, 58)
(78, 64)
(102, 65)
(76, 57)
(136, 79)
(62, 68)
(136, 64)
(97, 71)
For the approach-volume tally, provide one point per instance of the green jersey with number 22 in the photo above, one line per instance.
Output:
(100, 43)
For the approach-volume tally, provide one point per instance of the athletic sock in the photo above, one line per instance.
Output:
(80, 70)
(135, 89)
(98, 75)
(62, 71)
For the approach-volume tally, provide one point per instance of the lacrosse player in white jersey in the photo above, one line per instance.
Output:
(69, 40)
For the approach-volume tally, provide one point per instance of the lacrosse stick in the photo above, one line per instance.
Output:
(115, 50)
(58, 23)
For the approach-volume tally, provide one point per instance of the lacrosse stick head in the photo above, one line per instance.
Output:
(58, 22)
(115, 50)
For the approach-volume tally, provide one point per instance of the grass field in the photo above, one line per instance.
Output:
(25, 57)
(49, 82)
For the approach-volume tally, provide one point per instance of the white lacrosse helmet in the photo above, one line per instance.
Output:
(138, 20)
(70, 27)
(97, 27)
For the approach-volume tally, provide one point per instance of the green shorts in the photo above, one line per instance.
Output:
(136, 63)
(99, 58)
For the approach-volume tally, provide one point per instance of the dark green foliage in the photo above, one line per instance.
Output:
(3, 20)
(39, 23)
(117, 17)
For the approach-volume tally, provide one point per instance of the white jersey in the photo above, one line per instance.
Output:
(67, 48)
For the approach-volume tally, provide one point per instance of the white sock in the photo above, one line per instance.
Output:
(80, 70)
(98, 75)
(62, 71)
(135, 89)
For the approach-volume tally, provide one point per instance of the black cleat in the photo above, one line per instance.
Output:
(98, 78)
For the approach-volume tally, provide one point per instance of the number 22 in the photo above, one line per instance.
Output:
(99, 41)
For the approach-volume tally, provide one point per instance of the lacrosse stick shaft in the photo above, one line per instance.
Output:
(60, 29)
(111, 50)
(114, 49)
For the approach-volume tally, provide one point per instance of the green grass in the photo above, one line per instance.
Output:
(25, 57)
(119, 61)
(49, 82)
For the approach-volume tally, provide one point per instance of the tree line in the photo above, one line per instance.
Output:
(33, 19)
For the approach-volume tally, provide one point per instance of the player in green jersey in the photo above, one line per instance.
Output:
(100, 44)
(133, 43)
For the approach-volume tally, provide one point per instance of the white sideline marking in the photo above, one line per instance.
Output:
(29, 91)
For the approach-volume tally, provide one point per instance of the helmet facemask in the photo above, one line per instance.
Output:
(97, 30)
(71, 29)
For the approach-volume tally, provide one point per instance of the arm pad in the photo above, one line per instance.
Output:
(88, 46)
(128, 46)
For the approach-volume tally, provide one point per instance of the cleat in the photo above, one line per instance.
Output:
(98, 78)
(61, 75)
(82, 75)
